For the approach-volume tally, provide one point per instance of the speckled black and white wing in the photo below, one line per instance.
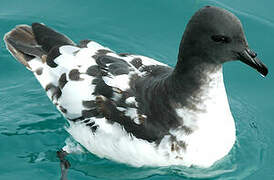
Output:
(85, 81)
(94, 88)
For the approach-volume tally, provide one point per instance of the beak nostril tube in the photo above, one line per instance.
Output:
(251, 53)
(249, 57)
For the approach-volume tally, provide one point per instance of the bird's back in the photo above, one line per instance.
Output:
(88, 81)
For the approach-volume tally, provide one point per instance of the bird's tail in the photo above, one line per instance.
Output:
(51, 57)
(21, 43)
(37, 41)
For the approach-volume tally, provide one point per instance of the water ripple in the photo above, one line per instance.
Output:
(256, 17)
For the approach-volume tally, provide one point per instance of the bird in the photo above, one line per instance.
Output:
(133, 109)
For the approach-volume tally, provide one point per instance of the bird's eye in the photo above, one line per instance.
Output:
(221, 38)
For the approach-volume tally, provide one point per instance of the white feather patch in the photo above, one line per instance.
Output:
(120, 81)
(67, 49)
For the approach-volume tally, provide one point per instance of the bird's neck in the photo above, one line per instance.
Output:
(193, 78)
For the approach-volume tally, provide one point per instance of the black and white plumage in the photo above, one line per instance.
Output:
(134, 109)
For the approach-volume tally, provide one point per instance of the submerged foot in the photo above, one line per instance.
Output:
(64, 164)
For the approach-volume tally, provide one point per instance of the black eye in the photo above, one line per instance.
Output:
(221, 38)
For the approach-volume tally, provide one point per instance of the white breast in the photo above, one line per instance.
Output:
(214, 129)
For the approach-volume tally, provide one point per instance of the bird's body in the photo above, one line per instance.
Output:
(130, 108)
(138, 147)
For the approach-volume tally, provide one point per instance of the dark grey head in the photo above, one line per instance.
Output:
(215, 35)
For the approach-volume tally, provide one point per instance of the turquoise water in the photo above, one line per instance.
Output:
(31, 129)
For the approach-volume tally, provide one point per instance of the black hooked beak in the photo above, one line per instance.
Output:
(249, 57)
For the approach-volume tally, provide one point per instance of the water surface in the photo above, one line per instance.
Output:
(31, 129)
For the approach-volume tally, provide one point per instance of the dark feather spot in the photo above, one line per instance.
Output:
(83, 43)
(103, 52)
(103, 60)
(106, 107)
(95, 81)
(118, 68)
(75, 53)
(91, 123)
(148, 69)
(113, 65)
(39, 71)
(95, 56)
(172, 147)
(49, 86)
(124, 54)
(62, 80)
(89, 104)
(63, 110)
(89, 113)
(74, 75)
(137, 62)
(94, 128)
(177, 145)
(86, 121)
(76, 119)
(187, 130)
(53, 53)
(56, 91)
(94, 71)
(103, 89)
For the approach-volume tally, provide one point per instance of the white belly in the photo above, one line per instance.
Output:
(213, 138)
(214, 128)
